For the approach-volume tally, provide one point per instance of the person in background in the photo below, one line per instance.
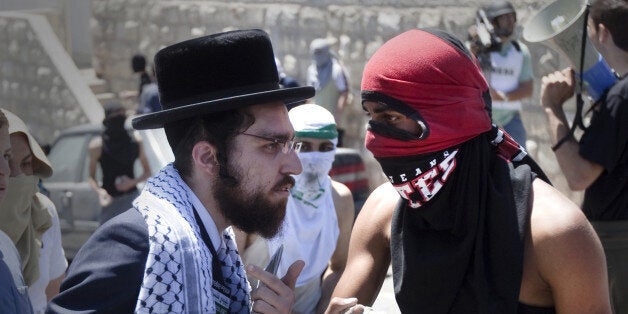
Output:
(598, 163)
(149, 96)
(28, 166)
(285, 80)
(330, 80)
(225, 118)
(116, 152)
(13, 290)
(138, 66)
(508, 68)
(467, 219)
(319, 215)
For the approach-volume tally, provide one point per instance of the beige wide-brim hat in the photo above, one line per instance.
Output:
(41, 164)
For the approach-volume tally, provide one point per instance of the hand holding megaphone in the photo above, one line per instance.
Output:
(557, 88)
(561, 25)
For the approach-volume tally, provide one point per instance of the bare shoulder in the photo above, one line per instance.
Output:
(554, 216)
(384, 194)
(343, 200)
(376, 214)
(568, 254)
(339, 189)
(95, 143)
(137, 136)
(95, 147)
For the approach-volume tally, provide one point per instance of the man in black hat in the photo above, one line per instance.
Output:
(225, 118)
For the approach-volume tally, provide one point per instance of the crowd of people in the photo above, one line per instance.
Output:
(468, 221)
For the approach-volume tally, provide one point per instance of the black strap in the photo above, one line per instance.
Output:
(578, 123)
(216, 268)
(517, 46)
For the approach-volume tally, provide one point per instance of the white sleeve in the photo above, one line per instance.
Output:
(340, 77)
(58, 262)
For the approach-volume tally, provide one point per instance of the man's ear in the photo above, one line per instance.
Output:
(204, 156)
(603, 35)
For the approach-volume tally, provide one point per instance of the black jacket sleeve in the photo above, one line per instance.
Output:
(107, 272)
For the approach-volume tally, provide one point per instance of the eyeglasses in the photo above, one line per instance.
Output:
(276, 145)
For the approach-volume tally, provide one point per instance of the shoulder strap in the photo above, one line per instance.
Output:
(516, 45)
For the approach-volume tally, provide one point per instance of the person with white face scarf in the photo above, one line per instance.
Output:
(319, 215)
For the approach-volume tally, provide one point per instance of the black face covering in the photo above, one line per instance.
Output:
(461, 250)
(115, 123)
(419, 178)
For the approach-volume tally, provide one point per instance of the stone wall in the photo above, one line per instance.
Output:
(122, 28)
(38, 80)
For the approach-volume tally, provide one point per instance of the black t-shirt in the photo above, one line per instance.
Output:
(116, 162)
(605, 142)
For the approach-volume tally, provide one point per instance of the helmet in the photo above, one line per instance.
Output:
(498, 8)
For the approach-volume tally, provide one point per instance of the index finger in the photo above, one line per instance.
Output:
(260, 274)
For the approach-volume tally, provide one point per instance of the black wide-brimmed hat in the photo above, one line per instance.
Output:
(216, 73)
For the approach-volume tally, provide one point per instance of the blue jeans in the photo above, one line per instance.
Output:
(516, 130)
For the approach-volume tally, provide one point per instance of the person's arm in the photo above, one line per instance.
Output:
(341, 104)
(524, 90)
(342, 83)
(345, 211)
(95, 150)
(107, 272)
(568, 253)
(144, 162)
(557, 88)
(57, 263)
(369, 251)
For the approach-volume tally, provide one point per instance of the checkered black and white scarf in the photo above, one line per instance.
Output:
(178, 272)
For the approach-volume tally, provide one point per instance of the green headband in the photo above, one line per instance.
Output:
(327, 132)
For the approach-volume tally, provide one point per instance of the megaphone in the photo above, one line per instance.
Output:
(561, 25)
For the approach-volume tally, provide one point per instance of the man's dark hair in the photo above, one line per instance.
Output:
(218, 129)
(138, 63)
(613, 14)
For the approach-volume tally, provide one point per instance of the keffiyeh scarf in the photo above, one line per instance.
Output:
(178, 272)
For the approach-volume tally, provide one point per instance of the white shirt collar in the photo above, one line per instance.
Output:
(207, 221)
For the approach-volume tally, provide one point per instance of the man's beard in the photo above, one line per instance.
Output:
(251, 212)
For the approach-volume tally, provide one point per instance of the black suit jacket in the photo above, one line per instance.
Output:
(107, 272)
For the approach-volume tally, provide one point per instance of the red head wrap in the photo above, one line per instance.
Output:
(431, 73)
